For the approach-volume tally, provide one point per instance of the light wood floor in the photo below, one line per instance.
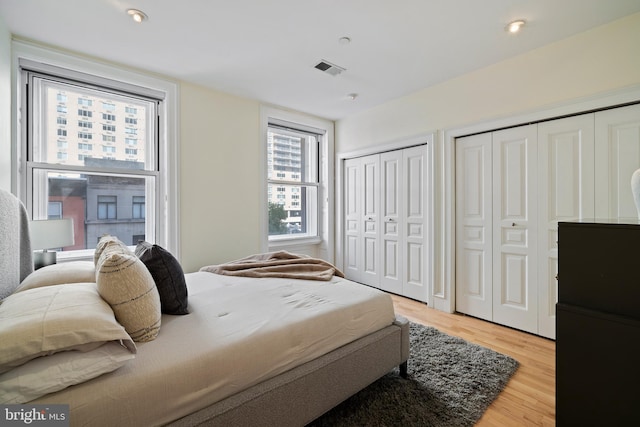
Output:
(529, 398)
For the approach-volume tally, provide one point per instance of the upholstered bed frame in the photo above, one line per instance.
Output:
(293, 398)
(302, 394)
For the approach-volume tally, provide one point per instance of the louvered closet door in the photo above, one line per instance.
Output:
(617, 157)
(391, 205)
(415, 200)
(474, 222)
(353, 220)
(515, 224)
(566, 178)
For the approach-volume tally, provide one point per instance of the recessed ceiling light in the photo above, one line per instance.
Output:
(137, 15)
(352, 96)
(344, 40)
(515, 26)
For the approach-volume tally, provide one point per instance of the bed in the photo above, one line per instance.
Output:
(247, 351)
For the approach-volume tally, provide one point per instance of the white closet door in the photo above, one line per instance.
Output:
(353, 220)
(565, 184)
(370, 167)
(391, 204)
(415, 201)
(474, 220)
(617, 157)
(515, 299)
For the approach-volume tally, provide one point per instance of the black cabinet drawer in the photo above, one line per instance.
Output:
(599, 266)
(597, 368)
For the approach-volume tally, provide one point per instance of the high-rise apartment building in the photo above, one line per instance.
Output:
(81, 126)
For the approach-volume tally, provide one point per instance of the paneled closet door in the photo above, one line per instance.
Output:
(353, 224)
(617, 157)
(515, 266)
(565, 183)
(474, 222)
(415, 200)
(391, 205)
(370, 220)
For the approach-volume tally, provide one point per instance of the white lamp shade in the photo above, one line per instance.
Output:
(51, 233)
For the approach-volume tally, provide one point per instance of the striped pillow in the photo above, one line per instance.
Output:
(126, 284)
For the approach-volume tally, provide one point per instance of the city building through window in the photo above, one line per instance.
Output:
(97, 179)
(293, 181)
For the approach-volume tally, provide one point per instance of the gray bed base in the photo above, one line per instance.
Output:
(302, 394)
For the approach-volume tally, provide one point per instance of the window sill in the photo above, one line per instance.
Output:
(294, 241)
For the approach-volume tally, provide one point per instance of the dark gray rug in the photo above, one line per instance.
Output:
(451, 383)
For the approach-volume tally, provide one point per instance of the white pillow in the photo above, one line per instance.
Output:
(109, 243)
(49, 374)
(43, 321)
(59, 274)
(126, 284)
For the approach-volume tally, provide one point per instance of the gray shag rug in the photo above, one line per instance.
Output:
(451, 383)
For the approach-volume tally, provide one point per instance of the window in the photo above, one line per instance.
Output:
(138, 207)
(292, 169)
(130, 110)
(90, 189)
(130, 121)
(54, 210)
(61, 121)
(61, 109)
(110, 117)
(107, 207)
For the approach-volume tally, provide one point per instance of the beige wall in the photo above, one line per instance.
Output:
(601, 60)
(5, 106)
(220, 177)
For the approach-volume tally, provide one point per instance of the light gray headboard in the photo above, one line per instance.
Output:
(16, 258)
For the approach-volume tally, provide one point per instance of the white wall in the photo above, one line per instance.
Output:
(5, 106)
(600, 60)
(578, 72)
(220, 178)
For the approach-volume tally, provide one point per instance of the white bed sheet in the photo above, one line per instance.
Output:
(240, 331)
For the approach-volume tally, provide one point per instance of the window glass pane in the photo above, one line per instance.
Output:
(98, 203)
(98, 123)
(292, 156)
(292, 210)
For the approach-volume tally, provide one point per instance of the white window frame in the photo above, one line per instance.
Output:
(166, 218)
(323, 242)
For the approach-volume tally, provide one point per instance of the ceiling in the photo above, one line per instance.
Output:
(267, 49)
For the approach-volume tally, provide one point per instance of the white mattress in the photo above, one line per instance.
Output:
(240, 331)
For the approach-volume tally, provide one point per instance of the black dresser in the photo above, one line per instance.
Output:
(598, 324)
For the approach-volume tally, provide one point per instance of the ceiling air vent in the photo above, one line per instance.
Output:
(329, 68)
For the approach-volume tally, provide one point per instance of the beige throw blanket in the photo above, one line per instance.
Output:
(277, 264)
